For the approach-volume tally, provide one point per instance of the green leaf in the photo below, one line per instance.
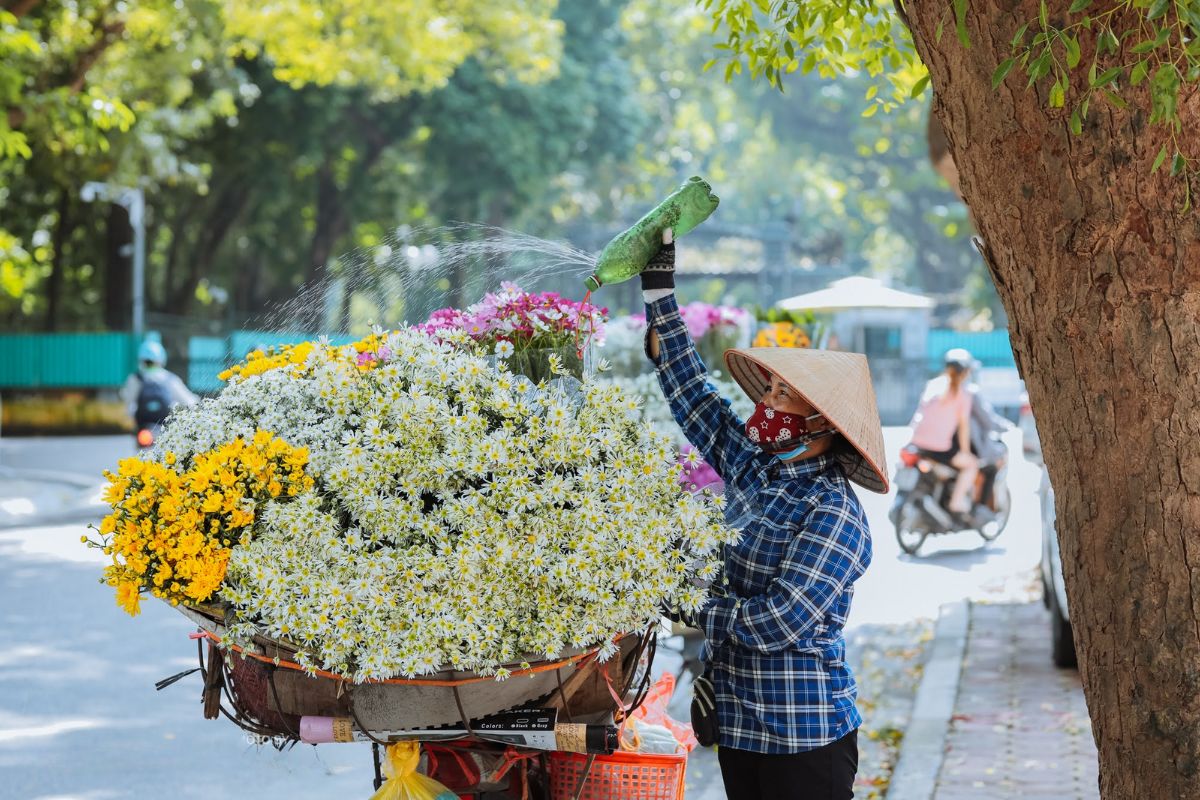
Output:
(1019, 36)
(1139, 72)
(1079, 5)
(1164, 93)
(1115, 99)
(1002, 72)
(1108, 41)
(870, 110)
(1040, 67)
(960, 22)
(1043, 15)
(1072, 46)
(937, 34)
(708, 65)
(1058, 95)
(1158, 161)
(919, 87)
(1108, 76)
(1158, 8)
(1076, 123)
(1177, 164)
(1143, 47)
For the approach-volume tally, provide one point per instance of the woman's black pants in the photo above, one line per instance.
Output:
(826, 773)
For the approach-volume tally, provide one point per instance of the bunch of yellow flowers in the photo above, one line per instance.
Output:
(369, 352)
(782, 334)
(260, 361)
(171, 530)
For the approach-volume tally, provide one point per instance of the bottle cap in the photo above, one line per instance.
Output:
(592, 283)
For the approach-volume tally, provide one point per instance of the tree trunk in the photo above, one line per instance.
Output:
(1100, 276)
(118, 268)
(227, 206)
(58, 267)
(331, 223)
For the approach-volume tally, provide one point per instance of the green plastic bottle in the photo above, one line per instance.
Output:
(629, 252)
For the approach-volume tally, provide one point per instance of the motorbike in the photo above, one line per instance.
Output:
(923, 487)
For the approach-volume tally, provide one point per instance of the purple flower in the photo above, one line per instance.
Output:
(699, 475)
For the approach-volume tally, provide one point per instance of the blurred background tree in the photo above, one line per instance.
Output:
(277, 141)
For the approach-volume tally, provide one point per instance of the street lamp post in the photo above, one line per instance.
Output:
(134, 202)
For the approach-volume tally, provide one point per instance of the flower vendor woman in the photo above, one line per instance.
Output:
(776, 669)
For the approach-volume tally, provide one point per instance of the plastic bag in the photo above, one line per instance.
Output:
(653, 712)
(403, 781)
(646, 737)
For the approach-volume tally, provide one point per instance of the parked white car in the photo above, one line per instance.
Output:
(1054, 591)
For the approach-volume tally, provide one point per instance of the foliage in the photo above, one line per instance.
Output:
(1155, 42)
(1127, 43)
(415, 47)
(458, 515)
(773, 39)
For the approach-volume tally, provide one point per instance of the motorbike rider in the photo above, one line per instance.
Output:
(152, 391)
(986, 424)
(942, 425)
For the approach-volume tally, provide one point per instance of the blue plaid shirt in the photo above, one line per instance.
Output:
(774, 626)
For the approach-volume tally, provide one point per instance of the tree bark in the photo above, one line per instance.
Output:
(19, 8)
(58, 267)
(118, 269)
(1100, 275)
(227, 207)
(332, 223)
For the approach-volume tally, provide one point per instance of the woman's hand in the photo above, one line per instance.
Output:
(659, 272)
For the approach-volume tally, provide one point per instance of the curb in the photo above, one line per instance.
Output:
(924, 743)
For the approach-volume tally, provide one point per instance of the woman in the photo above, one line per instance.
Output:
(942, 426)
(784, 696)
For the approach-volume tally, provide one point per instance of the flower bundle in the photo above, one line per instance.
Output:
(525, 328)
(171, 529)
(448, 513)
(513, 320)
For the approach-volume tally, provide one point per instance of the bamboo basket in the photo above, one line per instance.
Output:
(264, 691)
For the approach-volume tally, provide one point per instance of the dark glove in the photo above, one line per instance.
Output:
(704, 710)
(659, 272)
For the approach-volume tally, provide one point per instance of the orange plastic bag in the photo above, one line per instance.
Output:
(403, 781)
(653, 711)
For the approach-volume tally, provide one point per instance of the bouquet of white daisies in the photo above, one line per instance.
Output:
(438, 510)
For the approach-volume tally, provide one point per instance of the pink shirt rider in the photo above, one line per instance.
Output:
(936, 422)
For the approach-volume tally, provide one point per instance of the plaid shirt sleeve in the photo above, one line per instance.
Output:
(707, 420)
(828, 554)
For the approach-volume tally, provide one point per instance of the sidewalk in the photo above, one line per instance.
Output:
(994, 718)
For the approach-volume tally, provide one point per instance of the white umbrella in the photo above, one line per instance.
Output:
(855, 292)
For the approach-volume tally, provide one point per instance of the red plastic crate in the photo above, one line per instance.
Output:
(621, 776)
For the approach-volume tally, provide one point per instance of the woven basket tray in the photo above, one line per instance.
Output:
(275, 697)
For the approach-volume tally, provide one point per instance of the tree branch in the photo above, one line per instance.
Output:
(19, 8)
(109, 33)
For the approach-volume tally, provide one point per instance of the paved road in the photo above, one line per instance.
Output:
(79, 716)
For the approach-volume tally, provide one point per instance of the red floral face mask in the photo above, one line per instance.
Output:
(775, 430)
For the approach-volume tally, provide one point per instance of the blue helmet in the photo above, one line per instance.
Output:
(152, 352)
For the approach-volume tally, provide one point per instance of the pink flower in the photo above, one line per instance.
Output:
(543, 319)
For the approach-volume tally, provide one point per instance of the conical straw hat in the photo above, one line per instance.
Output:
(837, 385)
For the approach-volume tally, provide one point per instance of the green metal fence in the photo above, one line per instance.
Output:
(66, 360)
